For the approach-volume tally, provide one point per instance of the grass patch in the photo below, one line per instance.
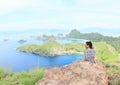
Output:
(105, 52)
(116, 82)
(22, 78)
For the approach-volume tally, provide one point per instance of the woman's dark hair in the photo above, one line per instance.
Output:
(90, 44)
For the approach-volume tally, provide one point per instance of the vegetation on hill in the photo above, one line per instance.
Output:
(105, 52)
(96, 37)
(52, 48)
(21, 78)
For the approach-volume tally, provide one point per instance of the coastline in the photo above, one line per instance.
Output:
(52, 54)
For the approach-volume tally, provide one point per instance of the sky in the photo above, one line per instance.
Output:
(85, 15)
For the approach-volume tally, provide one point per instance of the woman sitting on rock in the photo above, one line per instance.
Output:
(89, 53)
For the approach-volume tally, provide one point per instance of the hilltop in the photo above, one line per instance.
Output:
(77, 73)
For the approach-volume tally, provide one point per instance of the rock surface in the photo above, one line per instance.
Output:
(77, 73)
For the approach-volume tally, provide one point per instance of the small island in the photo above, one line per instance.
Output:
(52, 48)
(22, 41)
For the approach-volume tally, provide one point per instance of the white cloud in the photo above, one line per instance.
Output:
(12, 5)
(89, 5)
(83, 14)
(7, 6)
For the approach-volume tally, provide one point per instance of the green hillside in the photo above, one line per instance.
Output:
(52, 48)
(96, 37)
(105, 52)
(21, 78)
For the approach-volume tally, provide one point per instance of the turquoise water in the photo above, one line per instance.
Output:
(15, 61)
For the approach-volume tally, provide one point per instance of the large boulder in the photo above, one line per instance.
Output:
(77, 73)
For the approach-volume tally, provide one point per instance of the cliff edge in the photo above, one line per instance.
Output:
(77, 73)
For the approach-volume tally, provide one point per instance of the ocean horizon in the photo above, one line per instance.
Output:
(38, 32)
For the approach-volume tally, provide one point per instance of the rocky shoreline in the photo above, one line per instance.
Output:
(52, 53)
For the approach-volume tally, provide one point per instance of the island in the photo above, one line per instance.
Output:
(52, 48)
(22, 41)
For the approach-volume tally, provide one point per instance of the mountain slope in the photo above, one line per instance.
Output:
(96, 37)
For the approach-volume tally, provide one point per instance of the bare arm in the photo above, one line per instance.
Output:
(85, 57)
(94, 58)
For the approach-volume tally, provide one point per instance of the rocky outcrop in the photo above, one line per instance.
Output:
(77, 73)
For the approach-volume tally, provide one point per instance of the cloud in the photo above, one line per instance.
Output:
(65, 14)
(7, 6)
